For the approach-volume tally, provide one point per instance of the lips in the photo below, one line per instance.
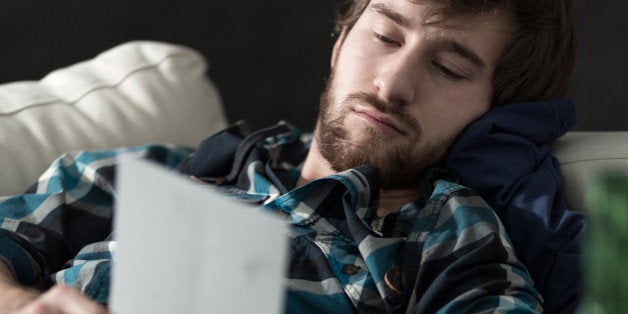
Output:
(378, 120)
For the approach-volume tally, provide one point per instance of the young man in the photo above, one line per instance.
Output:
(376, 227)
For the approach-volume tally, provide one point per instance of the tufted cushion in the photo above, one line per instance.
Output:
(136, 93)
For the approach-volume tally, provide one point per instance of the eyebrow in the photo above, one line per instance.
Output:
(387, 12)
(452, 46)
(446, 44)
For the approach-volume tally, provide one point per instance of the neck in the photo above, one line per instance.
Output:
(315, 167)
(390, 200)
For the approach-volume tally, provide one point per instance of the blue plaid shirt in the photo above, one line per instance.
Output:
(448, 253)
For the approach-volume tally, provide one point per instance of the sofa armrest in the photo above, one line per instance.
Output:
(136, 93)
(584, 156)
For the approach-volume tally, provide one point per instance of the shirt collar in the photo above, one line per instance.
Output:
(262, 166)
(303, 204)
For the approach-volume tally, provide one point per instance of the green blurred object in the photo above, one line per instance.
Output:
(606, 266)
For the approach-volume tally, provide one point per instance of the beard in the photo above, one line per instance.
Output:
(400, 162)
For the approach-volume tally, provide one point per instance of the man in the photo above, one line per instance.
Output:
(376, 228)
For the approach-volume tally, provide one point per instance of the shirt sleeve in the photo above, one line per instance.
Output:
(70, 207)
(467, 262)
(19, 261)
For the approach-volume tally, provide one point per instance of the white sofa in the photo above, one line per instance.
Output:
(143, 92)
(133, 94)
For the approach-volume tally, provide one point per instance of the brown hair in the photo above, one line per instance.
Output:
(537, 63)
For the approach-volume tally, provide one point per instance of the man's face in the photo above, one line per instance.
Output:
(401, 90)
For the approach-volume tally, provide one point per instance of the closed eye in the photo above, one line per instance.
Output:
(448, 73)
(385, 40)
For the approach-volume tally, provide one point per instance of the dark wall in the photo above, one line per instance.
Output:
(600, 81)
(269, 58)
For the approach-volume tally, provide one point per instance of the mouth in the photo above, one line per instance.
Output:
(378, 120)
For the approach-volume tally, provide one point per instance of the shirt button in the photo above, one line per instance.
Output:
(392, 279)
(350, 269)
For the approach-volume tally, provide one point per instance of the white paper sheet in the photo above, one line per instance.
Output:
(183, 248)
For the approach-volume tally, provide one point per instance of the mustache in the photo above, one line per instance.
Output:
(399, 112)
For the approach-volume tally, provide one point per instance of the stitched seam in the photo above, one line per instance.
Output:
(122, 80)
(594, 159)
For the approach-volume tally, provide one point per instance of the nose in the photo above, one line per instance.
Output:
(397, 79)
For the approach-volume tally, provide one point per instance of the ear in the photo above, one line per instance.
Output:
(338, 45)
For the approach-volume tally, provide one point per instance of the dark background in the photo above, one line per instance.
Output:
(269, 58)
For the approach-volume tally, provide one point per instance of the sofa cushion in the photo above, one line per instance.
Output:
(586, 156)
(136, 93)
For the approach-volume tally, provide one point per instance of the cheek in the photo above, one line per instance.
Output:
(352, 69)
(453, 111)
(356, 62)
(469, 103)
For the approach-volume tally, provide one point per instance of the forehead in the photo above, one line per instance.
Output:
(485, 34)
(448, 13)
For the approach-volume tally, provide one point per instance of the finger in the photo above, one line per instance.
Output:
(20, 299)
(67, 300)
(38, 307)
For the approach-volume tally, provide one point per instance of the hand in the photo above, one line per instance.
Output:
(12, 295)
(62, 300)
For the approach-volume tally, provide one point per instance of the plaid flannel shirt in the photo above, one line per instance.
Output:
(448, 253)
